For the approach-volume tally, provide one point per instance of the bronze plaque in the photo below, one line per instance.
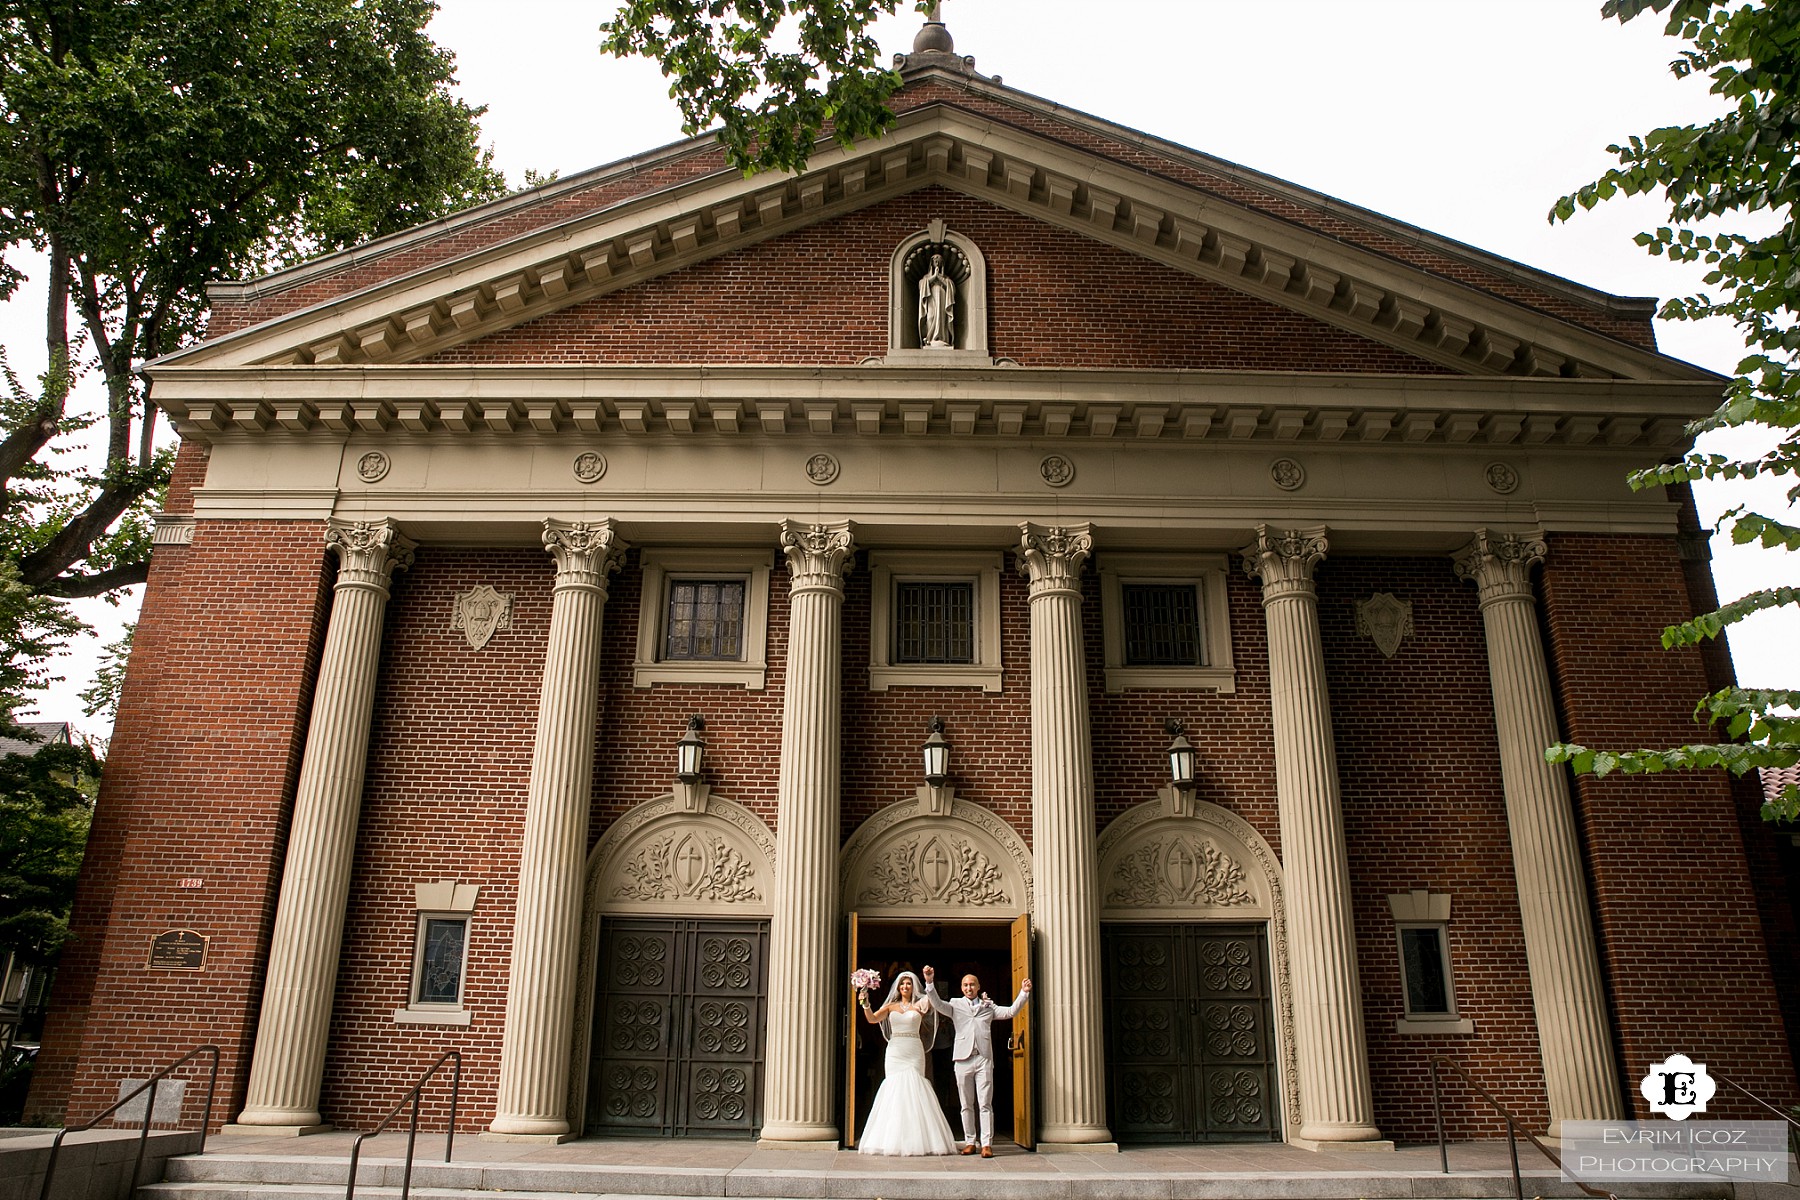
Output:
(178, 950)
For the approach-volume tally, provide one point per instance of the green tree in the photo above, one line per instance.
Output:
(148, 148)
(1737, 167)
(46, 800)
(725, 65)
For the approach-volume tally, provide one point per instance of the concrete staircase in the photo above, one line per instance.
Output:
(225, 1175)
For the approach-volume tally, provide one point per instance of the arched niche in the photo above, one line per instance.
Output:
(965, 863)
(666, 858)
(961, 260)
(1210, 865)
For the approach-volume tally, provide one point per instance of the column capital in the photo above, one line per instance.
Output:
(586, 552)
(1500, 564)
(1283, 559)
(1051, 556)
(369, 552)
(817, 555)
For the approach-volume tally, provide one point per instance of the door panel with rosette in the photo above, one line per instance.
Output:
(1190, 1034)
(1020, 1042)
(678, 1028)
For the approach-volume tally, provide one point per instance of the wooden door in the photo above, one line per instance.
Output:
(1190, 1033)
(1020, 1041)
(679, 1020)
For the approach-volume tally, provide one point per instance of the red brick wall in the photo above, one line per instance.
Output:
(199, 785)
(1681, 940)
(1419, 772)
(820, 295)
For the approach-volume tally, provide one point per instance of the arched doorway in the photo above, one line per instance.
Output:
(673, 984)
(1194, 951)
(946, 884)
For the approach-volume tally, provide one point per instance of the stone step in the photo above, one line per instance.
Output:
(315, 1177)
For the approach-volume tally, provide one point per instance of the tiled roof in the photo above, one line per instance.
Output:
(48, 733)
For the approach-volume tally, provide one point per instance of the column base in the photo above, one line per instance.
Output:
(275, 1130)
(1077, 1147)
(1304, 1143)
(534, 1129)
(542, 1139)
(1075, 1137)
(798, 1135)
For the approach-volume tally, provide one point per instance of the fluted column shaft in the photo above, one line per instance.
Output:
(540, 995)
(804, 991)
(1560, 950)
(1335, 1100)
(287, 1066)
(1066, 907)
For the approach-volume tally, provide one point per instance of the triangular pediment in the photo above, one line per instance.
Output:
(1189, 229)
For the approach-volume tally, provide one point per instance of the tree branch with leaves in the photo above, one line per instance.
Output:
(149, 148)
(1741, 165)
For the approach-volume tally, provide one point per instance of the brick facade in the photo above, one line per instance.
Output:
(213, 722)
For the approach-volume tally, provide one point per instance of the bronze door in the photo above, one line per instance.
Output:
(1190, 1034)
(679, 1014)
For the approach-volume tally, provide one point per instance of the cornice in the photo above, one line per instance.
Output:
(413, 317)
(739, 402)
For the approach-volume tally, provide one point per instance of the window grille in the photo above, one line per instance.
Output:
(934, 622)
(1162, 625)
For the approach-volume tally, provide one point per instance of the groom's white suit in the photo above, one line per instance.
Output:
(974, 1017)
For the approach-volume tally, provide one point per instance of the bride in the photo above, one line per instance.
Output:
(906, 1118)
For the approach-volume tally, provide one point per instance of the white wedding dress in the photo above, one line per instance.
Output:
(906, 1118)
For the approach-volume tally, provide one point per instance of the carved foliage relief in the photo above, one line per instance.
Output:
(1183, 870)
(934, 868)
(688, 866)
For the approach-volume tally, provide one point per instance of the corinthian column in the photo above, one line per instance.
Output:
(540, 994)
(1066, 910)
(803, 987)
(288, 1063)
(1336, 1108)
(1560, 953)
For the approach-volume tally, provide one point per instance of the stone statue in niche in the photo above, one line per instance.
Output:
(937, 307)
(938, 271)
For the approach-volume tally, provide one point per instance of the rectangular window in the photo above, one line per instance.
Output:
(1424, 966)
(1162, 625)
(934, 622)
(442, 941)
(706, 620)
(1165, 621)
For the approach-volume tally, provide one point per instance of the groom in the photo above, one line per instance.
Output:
(974, 1015)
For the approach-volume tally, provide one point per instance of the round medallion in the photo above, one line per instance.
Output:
(821, 469)
(1502, 478)
(589, 466)
(1057, 471)
(372, 467)
(1288, 475)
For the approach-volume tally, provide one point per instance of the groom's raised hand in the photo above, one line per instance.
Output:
(929, 975)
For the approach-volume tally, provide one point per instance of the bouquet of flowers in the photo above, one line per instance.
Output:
(864, 979)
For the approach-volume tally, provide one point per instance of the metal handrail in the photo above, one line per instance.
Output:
(1737, 1087)
(412, 1132)
(149, 1112)
(1512, 1131)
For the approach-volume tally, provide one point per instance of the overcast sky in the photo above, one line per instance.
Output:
(1466, 118)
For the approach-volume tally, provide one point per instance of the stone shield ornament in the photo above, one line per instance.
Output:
(1385, 620)
(480, 612)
